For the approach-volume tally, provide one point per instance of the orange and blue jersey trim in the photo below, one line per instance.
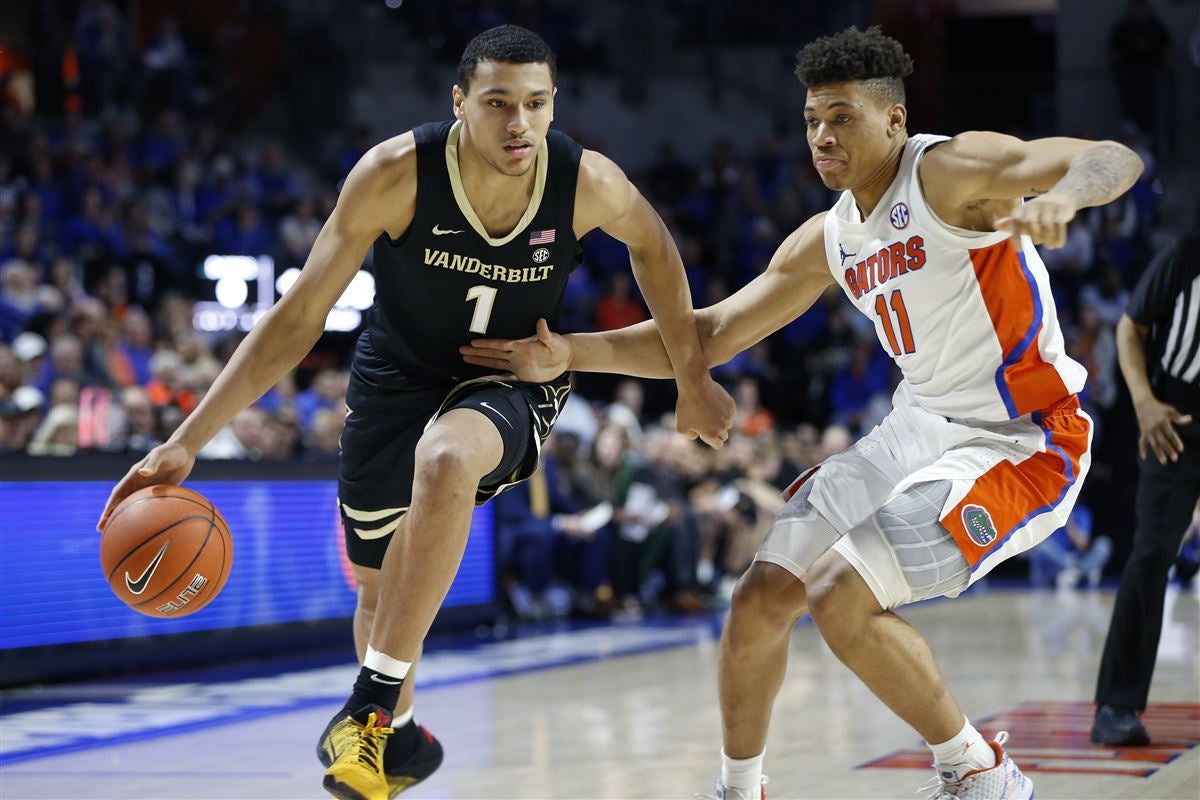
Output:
(1014, 357)
(1024, 380)
(1008, 497)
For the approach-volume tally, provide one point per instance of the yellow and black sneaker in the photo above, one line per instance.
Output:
(422, 756)
(339, 734)
(411, 755)
(354, 744)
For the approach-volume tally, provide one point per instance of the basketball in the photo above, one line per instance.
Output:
(166, 551)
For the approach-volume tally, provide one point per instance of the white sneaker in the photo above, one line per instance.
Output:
(1004, 781)
(724, 792)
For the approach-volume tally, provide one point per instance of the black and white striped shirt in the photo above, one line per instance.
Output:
(1167, 299)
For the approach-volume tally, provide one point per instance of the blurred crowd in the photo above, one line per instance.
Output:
(625, 514)
(108, 208)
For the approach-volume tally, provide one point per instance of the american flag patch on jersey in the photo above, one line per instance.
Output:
(541, 237)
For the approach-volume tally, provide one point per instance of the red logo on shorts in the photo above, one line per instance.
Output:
(978, 524)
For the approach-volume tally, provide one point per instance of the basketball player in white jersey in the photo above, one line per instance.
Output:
(986, 447)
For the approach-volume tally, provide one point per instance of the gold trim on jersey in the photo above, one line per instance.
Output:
(464, 204)
(366, 534)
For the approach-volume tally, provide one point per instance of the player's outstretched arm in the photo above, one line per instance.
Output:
(378, 195)
(635, 350)
(792, 282)
(606, 199)
(1062, 175)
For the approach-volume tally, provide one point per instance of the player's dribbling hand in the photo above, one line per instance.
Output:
(537, 359)
(704, 411)
(1157, 421)
(1043, 219)
(167, 463)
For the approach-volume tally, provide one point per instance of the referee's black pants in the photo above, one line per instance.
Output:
(1166, 496)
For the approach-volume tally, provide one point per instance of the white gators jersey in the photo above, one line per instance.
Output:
(967, 315)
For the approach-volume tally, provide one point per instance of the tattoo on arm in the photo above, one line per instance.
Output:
(1100, 174)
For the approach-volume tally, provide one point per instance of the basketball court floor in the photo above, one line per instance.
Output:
(628, 711)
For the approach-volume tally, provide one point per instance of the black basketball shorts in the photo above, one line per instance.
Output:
(390, 409)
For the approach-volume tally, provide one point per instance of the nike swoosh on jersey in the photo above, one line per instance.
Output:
(138, 586)
(439, 232)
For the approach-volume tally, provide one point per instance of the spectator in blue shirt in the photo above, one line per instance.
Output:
(855, 385)
(1070, 553)
(548, 527)
(243, 233)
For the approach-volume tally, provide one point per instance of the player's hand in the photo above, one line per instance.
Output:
(704, 411)
(538, 359)
(1157, 421)
(1043, 219)
(167, 463)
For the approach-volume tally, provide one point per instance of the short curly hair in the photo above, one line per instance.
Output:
(510, 44)
(855, 55)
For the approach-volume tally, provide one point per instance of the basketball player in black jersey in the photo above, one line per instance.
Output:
(475, 226)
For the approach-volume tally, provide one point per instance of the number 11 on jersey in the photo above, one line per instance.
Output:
(897, 303)
(484, 297)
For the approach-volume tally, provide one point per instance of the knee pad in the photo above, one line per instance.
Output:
(931, 561)
(904, 553)
(799, 535)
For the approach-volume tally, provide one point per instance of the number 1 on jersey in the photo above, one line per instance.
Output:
(484, 297)
(897, 303)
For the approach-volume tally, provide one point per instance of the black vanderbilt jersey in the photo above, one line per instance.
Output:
(445, 281)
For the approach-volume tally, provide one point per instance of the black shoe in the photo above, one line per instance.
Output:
(1118, 727)
(424, 760)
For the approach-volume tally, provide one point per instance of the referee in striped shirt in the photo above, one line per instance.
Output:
(1164, 382)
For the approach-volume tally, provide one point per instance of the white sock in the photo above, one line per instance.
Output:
(967, 747)
(741, 773)
(400, 720)
(386, 665)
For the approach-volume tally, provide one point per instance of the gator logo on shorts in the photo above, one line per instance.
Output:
(979, 525)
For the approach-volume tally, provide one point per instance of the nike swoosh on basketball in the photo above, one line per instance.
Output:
(138, 586)
(378, 679)
(498, 414)
(439, 232)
